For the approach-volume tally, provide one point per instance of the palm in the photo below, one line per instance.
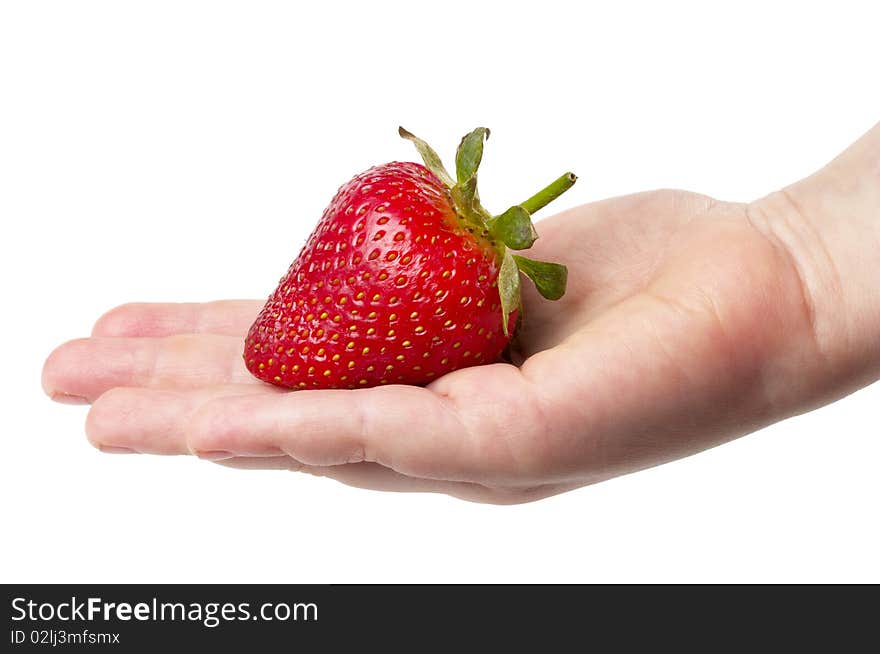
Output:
(618, 248)
(672, 307)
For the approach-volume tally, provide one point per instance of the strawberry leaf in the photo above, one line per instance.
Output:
(549, 278)
(429, 156)
(508, 288)
(469, 154)
(514, 228)
(464, 195)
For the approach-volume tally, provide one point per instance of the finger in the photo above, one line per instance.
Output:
(224, 317)
(155, 421)
(90, 366)
(464, 430)
(152, 421)
(416, 431)
(405, 428)
(372, 476)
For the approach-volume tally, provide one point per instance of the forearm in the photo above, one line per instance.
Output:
(829, 226)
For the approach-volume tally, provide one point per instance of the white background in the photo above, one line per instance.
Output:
(183, 151)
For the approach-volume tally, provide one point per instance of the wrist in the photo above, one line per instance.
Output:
(828, 225)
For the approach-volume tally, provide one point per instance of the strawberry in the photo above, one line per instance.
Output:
(406, 277)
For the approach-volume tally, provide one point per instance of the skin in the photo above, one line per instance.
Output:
(687, 322)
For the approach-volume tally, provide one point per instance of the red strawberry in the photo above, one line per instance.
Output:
(405, 278)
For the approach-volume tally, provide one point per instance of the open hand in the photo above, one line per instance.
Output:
(687, 322)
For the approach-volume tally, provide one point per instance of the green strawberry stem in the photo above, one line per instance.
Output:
(549, 193)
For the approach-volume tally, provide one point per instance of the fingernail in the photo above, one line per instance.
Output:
(214, 455)
(112, 449)
(66, 398)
